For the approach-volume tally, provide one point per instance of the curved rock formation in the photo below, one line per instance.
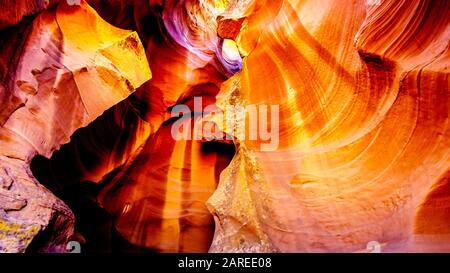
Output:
(363, 128)
(58, 73)
(361, 149)
(341, 107)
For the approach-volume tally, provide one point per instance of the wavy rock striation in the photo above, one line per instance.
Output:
(362, 153)
(363, 93)
(58, 73)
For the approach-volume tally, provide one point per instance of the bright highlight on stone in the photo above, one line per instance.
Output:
(362, 156)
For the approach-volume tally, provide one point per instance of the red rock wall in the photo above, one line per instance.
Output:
(362, 87)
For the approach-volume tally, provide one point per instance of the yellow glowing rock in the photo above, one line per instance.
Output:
(72, 67)
(363, 154)
(363, 131)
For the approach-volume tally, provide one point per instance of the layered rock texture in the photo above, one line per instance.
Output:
(361, 154)
(59, 72)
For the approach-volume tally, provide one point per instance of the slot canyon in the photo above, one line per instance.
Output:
(360, 146)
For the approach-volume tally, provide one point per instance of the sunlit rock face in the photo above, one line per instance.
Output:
(362, 150)
(59, 72)
(363, 129)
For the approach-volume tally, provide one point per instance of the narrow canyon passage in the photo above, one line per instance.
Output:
(329, 125)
